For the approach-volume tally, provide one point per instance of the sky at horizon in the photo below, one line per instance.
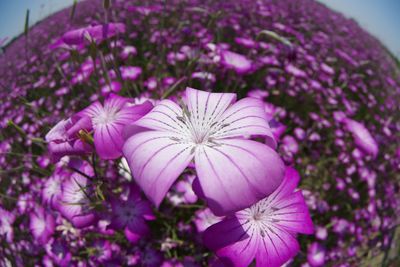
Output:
(380, 18)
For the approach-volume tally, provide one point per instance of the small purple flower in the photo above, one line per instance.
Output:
(74, 203)
(362, 137)
(130, 73)
(42, 225)
(266, 231)
(102, 251)
(316, 255)
(58, 251)
(6, 221)
(237, 62)
(127, 51)
(131, 215)
(113, 87)
(51, 190)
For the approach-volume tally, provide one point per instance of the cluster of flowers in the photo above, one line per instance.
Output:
(110, 157)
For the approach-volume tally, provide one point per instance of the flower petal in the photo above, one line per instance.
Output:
(292, 214)
(206, 108)
(231, 243)
(244, 118)
(237, 173)
(91, 111)
(108, 140)
(276, 247)
(164, 117)
(156, 159)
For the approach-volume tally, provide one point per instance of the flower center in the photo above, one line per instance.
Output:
(106, 116)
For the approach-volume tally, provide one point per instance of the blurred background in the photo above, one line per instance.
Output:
(381, 18)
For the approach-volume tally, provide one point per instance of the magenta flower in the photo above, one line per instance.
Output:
(237, 62)
(113, 87)
(362, 137)
(109, 122)
(6, 221)
(42, 225)
(211, 131)
(74, 203)
(130, 72)
(266, 231)
(57, 250)
(51, 190)
(95, 33)
(63, 139)
(316, 255)
(131, 215)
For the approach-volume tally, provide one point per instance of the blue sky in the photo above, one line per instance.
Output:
(380, 17)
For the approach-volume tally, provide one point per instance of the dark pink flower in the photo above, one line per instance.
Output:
(131, 215)
(266, 231)
(109, 120)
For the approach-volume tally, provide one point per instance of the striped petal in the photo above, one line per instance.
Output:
(276, 247)
(206, 108)
(244, 118)
(232, 244)
(164, 117)
(156, 159)
(237, 173)
(292, 214)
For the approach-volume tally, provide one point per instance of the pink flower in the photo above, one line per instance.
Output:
(6, 224)
(130, 72)
(362, 137)
(113, 87)
(63, 139)
(266, 231)
(74, 203)
(127, 51)
(109, 121)
(51, 190)
(237, 62)
(316, 255)
(95, 33)
(42, 225)
(233, 172)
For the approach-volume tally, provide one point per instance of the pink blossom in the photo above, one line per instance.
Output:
(266, 231)
(210, 130)
(109, 121)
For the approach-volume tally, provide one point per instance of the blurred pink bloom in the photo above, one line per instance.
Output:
(237, 62)
(95, 33)
(362, 137)
(42, 225)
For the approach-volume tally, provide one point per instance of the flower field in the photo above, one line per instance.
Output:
(199, 133)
